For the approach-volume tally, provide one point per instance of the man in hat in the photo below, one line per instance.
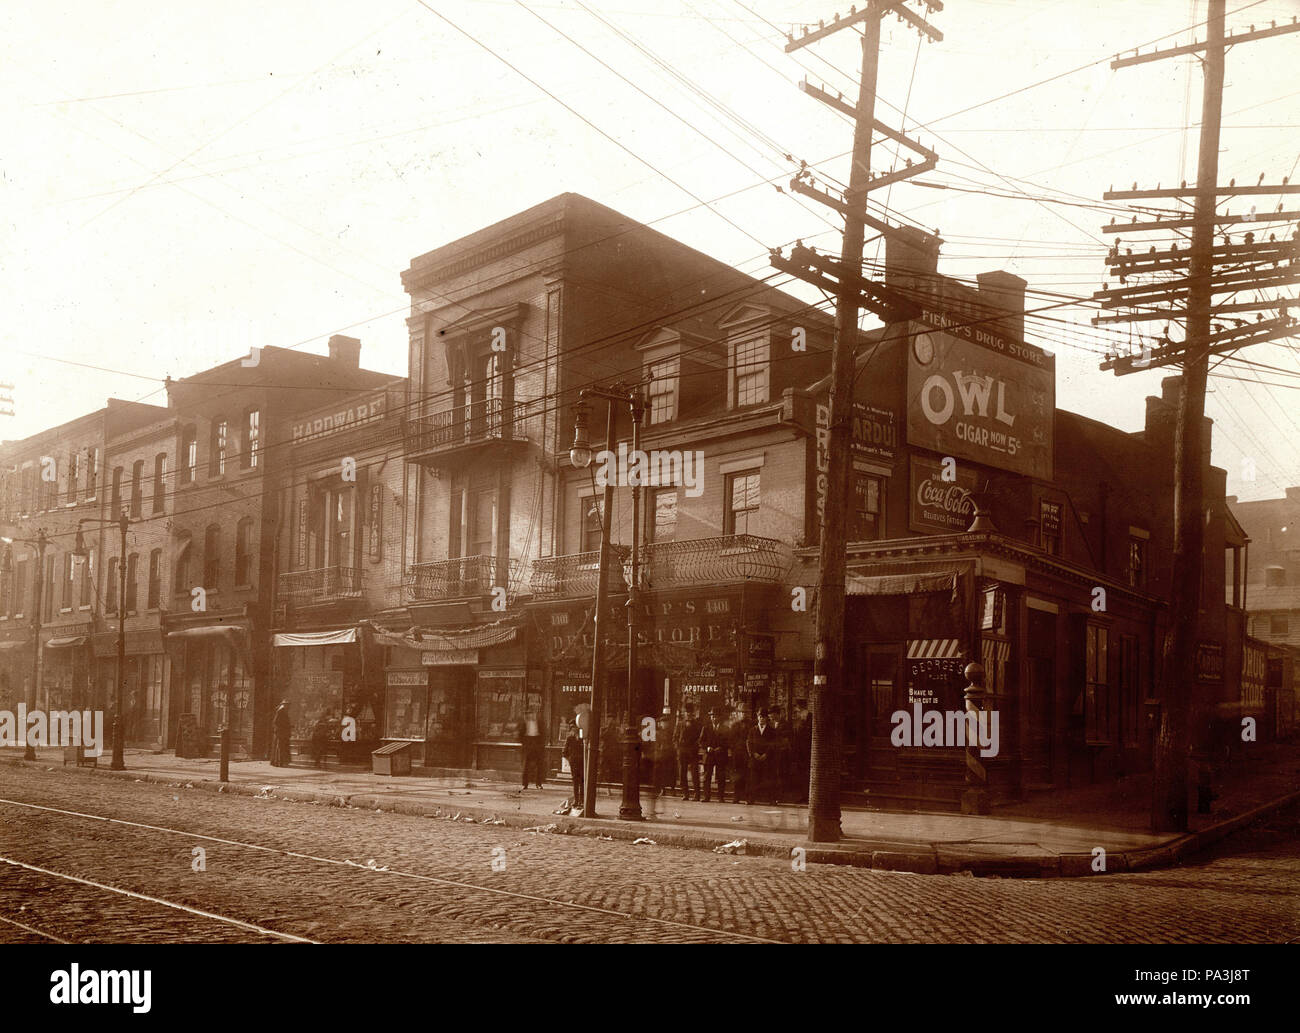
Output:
(761, 744)
(738, 754)
(665, 753)
(280, 735)
(713, 743)
(687, 741)
(573, 748)
(530, 734)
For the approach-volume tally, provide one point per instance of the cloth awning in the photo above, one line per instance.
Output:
(316, 638)
(903, 584)
(933, 649)
(234, 637)
(481, 636)
(65, 643)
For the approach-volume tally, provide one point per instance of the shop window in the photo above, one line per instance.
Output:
(88, 578)
(749, 373)
(499, 705)
(189, 454)
(1279, 625)
(244, 552)
(132, 574)
(1097, 685)
(155, 579)
(218, 441)
(212, 557)
(248, 459)
(867, 516)
(591, 523)
(115, 505)
(137, 487)
(741, 516)
(159, 481)
(662, 390)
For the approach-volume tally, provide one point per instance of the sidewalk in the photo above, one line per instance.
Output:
(1053, 835)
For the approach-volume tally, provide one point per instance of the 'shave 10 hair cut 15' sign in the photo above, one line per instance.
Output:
(978, 395)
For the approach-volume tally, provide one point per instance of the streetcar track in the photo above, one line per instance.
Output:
(37, 932)
(213, 916)
(354, 867)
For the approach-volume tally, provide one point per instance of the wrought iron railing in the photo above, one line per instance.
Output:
(460, 578)
(726, 558)
(481, 420)
(322, 585)
(577, 574)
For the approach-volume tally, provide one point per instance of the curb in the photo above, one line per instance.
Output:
(927, 859)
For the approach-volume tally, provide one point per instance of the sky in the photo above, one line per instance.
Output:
(180, 183)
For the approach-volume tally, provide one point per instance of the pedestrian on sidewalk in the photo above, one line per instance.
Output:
(737, 731)
(280, 728)
(665, 753)
(713, 743)
(573, 754)
(530, 733)
(320, 739)
(802, 751)
(761, 744)
(687, 743)
(781, 752)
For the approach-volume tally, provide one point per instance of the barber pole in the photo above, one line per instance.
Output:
(975, 797)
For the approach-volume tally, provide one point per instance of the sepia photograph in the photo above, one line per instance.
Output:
(650, 472)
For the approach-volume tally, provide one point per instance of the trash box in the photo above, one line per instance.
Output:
(393, 759)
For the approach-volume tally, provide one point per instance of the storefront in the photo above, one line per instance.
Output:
(15, 671)
(211, 685)
(65, 673)
(324, 675)
(144, 696)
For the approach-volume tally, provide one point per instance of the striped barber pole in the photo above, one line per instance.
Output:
(933, 649)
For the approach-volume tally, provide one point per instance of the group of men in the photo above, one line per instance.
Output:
(767, 757)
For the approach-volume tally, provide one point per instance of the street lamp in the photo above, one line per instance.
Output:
(580, 455)
(81, 552)
(40, 541)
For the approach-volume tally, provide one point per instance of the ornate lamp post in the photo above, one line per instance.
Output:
(41, 541)
(81, 552)
(580, 455)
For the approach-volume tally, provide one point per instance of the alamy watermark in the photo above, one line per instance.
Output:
(946, 728)
(57, 728)
(658, 467)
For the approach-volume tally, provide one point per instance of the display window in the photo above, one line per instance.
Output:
(407, 708)
(499, 705)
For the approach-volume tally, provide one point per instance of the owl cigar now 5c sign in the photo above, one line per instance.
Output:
(977, 395)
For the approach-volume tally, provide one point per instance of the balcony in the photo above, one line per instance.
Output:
(726, 558)
(576, 575)
(465, 577)
(460, 431)
(321, 586)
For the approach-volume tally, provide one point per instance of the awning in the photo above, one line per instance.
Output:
(138, 643)
(481, 636)
(234, 637)
(65, 643)
(316, 638)
(903, 584)
(933, 649)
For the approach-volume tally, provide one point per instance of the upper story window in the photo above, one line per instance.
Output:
(1137, 558)
(661, 520)
(251, 455)
(74, 473)
(1275, 577)
(20, 589)
(137, 487)
(1097, 682)
(111, 590)
(867, 522)
(132, 573)
(741, 516)
(212, 557)
(159, 481)
(181, 574)
(749, 371)
(92, 473)
(155, 579)
(69, 582)
(662, 390)
(244, 552)
(1279, 625)
(88, 578)
(115, 506)
(591, 529)
(189, 454)
(217, 446)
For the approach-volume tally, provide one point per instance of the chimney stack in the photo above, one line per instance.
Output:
(346, 350)
(1002, 290)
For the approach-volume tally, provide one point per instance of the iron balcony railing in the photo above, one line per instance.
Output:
(726, 558)
(460, 578)
(473, 422)
(322, 585)
(576, 575)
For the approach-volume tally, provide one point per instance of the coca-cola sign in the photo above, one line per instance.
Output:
(941, 495)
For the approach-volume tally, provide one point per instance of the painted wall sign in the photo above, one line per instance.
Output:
(1049, 517)
(1254, 675)
(874, 435)
(989, 404)
(1209, 661)
(323, 423)
(938, 506)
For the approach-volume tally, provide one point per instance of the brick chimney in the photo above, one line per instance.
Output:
(346, 350)
(1004, 290)
(912, 262)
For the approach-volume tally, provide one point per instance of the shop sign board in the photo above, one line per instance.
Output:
(874, 436)
(938, 506)
(1254, 675)
(977, 395)
(1209, 661)
(449, 657)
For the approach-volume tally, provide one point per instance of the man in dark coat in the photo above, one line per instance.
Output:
(280, 728)
(713, 743)
(665, 753)
(573, 754)
(737, 732)
(802, 751)
(688, 752)
(534, 752)
(762, 746)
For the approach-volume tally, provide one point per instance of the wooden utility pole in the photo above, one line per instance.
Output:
(828, 670)
(1183, 717)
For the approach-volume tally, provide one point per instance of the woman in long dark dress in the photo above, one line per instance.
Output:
(280, 735)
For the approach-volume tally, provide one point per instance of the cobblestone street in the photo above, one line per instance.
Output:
(276, 870)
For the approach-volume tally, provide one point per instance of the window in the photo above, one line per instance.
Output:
(750, 373)
(74, 471)
(88, 577)
(137, 487)
(1275, 577)
(189, 455)
(211, 557)
(49, 483)
(742, 503)
(6, 593)
(155, 579)
(591, 528)
(115, 506)
(867, 525)
(1049, 527)
(662, 518)
(217, 448)
(48, 589)
(159, 481)
(662, 392)
(244, 552)
(132, 571)
(482, 521)
(20, 589)
(181, 582)
(1279, 625)
(1130, 702)
(1137, 562)
(66, 601)
(92, 473)
(252, 439)
(1097, 682)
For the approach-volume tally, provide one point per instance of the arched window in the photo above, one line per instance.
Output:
(212, 557)
(155, 579)
(218, 443)
(189, 454)
(251, 455)
(137, 487)
(181, 581)
(159, 481)
(244, 552)
(132, 573)
(111, 591)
